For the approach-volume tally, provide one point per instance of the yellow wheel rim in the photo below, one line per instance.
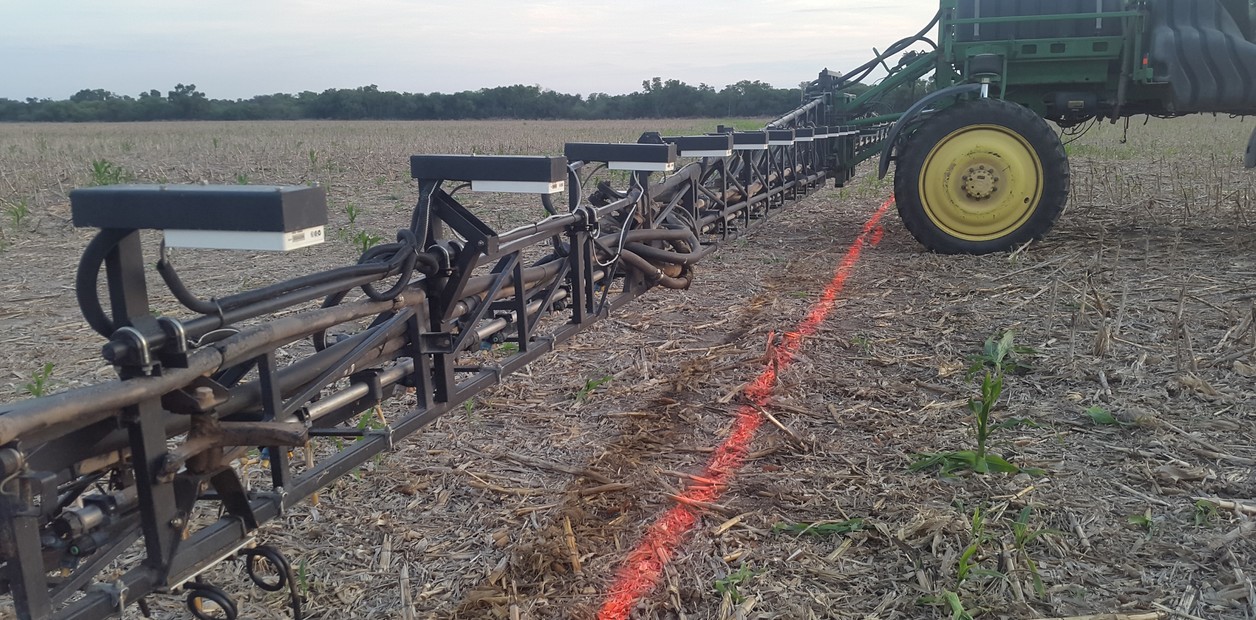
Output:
(981, 182)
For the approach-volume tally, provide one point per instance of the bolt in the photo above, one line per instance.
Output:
(177, 523)
(204, 397)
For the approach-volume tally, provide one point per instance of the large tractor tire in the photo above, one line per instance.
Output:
(979, 177)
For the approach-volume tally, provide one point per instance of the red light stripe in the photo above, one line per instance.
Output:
(644, 564)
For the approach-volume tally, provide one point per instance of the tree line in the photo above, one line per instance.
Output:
(657, 98)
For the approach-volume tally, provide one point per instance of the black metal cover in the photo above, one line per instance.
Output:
(750, 137)
(489, 168)
(600, 152)
(805, 132)
(781, 134)
(722, 142)
(254, 208)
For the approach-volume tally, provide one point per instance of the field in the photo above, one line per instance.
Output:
(1128, 401)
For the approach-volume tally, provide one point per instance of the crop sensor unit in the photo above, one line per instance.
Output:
(494, 173)
(750, 141)
(702, 146)
(780, 137)
(638, 157)
(220, 217)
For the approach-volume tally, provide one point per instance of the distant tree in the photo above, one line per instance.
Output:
(657, 98)
(188, 103)
(96, 94)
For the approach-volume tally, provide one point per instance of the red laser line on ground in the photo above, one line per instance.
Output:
(644, 565)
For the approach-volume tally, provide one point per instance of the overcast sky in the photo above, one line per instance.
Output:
(239, 48)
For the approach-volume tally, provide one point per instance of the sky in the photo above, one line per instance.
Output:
(233, 49)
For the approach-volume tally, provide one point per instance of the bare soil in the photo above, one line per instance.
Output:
(1140, 305)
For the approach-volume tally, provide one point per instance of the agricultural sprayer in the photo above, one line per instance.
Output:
(118, 491)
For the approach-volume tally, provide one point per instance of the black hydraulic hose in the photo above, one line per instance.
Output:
(88, 275)
(405, 254)
(895, 48)
(668, 256)
(232, 302)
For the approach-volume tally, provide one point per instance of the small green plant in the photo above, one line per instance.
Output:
(215, 142)
(366, 240)
(352, 211)
(1141, 521)
(589, 386)
(861, 342)
(303, 578)
(128, 146)
(17, 212)
(242, 178)
(105, 172)
(38, 385)
(1205, 512)
(1022, 537)
(1002, 356)
(969, 563)
(820, 528)
(996, 361)
(957, 606)
(729, 583)
(948, 599)
(508, 347)
(1103, 417)
(369, 421)
(980, 460)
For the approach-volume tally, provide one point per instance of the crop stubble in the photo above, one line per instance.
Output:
(1139, 303)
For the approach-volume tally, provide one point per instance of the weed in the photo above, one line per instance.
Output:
(1142, 521)
(861, 342)
(592, 384)
(38, 385)
(820, 528)
(1102, 417)
(105, 172)
(957, 607)
(948, 599)
(509, 347)
(728, 584)
(370, 421)
(353, 211)
(242, 178)
(17, 212)
(1205, 512)
(366, 240)
(468, 409)
(303, 578)
(128, 146)
(969, 563)
(215, 142)
(1022, 537)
